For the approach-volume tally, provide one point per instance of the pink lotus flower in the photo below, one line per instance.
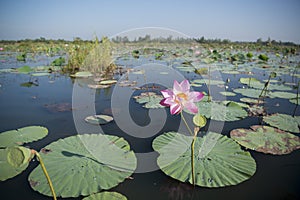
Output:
(180, 97)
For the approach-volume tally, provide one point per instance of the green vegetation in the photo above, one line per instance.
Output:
(58, 62)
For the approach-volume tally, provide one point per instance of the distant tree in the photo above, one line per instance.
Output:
(259, 41)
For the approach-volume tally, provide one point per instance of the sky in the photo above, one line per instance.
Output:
(236, 20)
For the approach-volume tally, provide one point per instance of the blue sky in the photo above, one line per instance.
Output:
(237, 20)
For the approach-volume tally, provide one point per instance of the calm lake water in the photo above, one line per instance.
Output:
(49, 104)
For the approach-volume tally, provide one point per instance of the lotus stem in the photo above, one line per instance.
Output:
(187, 126)
(192, 158)
(45, 172)
(192, 147)
(208, 88)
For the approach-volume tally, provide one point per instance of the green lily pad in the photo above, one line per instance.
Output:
(24, 69)
(230, 72)
(251, 81)
(98, 86)
(284, 95)
(149, 99)
(108, 82)
(254, 83)
(207, 81)
(225, 93)
(219, 161)
(222, 111)
(106, 196)
(29, 84)
(266, 139)
(81, 75)
(186, 69)
(22, 135)
(6, 70)
(250, 100)
(283, 122)
(248, 92)
(294, 101)
(41, 74)
(84, 164)
(13, 161)
(99, 119)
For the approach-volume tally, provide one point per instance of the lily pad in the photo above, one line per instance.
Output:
(250, 101)
(284, 95)
(226, 93)
(255, 83)
(207, 81)
(98, 86)
(84, 164)
(149, 99)
(22, 135)
(106, 196)
(252, 82)
(108, 82)
(13, 160)
(41, 74)
(24, 69)
(294, 101)
(98, 119)
(266, 139)
(81, 74)
(222, 111)
(219, 161)
(248, 92)
(283, 122)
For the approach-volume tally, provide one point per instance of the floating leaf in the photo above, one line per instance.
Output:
(225, 93)
(207, 81)
(250, 81)
(248, 92)
(41, 74)
(106, 196)
(127, 83)
(186, 69)
(84, 164)
(22, 135)
(249, 100)
(254, 83)
(98, 119)
(284, 95)
(81, 74)
(222, 111)
(149, 99)
(219, 161)
(283, 122)
(230, 72)
(266, 139)
(13, 160)
(263, 57)
(108, 82)
(29, 84)
(98, 86)
(294, 100)
(24, 69)
(6, 70)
